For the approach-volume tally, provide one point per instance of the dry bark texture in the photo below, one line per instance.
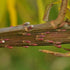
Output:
(41, 34)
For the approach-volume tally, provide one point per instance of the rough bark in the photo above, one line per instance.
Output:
(40, 34)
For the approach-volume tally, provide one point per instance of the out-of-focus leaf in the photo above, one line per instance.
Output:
(68, 13)
(27, 11)
(23, 13)
(12, 12)
(53, 13)
(40, 10)
(47, 2)
(2, 11)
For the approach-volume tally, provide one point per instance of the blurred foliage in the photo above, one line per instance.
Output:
(40, 10)
(12, 12)
(15, 12)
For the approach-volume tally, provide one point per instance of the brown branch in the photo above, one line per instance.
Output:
(18, 36)
(59, 20)
(40, 34)
(56, 53)
(62, 12)
(47, 12)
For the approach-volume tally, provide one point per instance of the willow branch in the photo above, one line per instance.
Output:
(18, 36)
(62, 12)
(56, 53)
(47, 12)
(40, 34)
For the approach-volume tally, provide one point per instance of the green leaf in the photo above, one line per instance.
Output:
(2, 12)
(27, 11)
(55, 49)
(53, 13)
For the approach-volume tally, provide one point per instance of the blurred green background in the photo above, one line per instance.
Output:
(15, 12)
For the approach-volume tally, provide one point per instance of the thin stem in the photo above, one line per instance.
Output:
(62, 12)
